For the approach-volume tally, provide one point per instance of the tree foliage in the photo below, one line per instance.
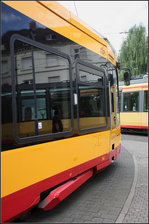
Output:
(134, 49)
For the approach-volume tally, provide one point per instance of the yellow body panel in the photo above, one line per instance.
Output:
(144, 118)
(57, 9)
(115, 137)
(134, 87)
(29, 165)
(134, 118)
(71, 18)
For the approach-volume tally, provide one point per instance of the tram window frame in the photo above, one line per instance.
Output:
(145, 100)
(37, 138)
(120, 101)
(112, 102)
(86, 67)
(129, 95)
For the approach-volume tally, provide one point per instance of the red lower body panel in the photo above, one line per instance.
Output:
(18, 202)
(134, 127)
(60, 193)
(114, 153)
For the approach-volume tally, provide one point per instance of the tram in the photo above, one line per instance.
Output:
(134, 105)
(60, 117)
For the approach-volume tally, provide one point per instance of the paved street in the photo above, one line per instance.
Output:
(116, 195)
(138, 147)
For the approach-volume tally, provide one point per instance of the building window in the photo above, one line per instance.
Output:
(80, 53)
(83, 78)
(76, 53)
(29, 81)
(83, 53)
(26, 63)
(4, 67)
(51, 60)
(50, 36)
(53, 79)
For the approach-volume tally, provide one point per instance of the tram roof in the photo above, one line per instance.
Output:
(38, 8)
(80, 24)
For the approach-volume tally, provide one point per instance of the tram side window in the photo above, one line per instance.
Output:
(131, 102)
(146, 101)
(91, 101)
(27, 105)
(39, 93)
(60, 100)
(119, 101)
(6, 107)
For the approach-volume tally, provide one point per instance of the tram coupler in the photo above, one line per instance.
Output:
(61, 192)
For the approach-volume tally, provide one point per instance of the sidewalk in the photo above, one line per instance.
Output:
(135, 209)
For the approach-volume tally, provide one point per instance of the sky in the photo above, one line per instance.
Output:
(110, 18)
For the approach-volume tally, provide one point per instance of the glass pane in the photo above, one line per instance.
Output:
(91, 78)
(24, 89)
(131, 102)
(91, 107)
(41, 109)
(28, 110)
(27, 63)
(91, 98)
(52, 75)
(60, 111)
(119, 101)
(145, 101)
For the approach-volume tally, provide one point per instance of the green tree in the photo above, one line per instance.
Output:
(133, 53)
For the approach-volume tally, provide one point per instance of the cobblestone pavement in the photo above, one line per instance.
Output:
(103, 197)
(138, 211)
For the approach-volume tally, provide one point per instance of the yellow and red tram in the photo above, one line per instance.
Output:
(134, 105)
(60, 119)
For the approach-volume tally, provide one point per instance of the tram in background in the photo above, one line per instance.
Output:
(134, 105)
(59, 94)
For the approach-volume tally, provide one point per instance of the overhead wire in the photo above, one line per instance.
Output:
(76, 8)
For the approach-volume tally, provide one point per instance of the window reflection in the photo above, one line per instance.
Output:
(146, 101)
(43, 88)
(91, 102)
(91, 99)
(131, 102)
